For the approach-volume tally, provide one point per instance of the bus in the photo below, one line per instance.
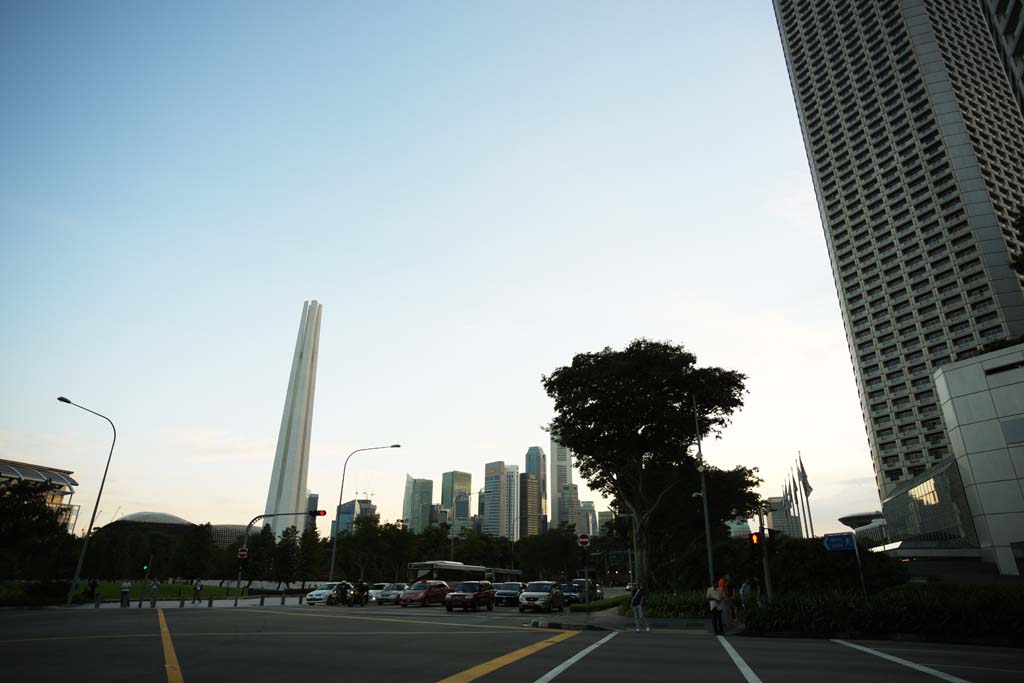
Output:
(444, 570)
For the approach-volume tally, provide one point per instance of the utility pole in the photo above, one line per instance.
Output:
(764, 554)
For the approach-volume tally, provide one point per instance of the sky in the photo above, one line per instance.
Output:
(475, 192)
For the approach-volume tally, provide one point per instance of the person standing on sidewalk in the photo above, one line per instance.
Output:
(126, 588)
(714, 597)
(197, 588)
(637, 602)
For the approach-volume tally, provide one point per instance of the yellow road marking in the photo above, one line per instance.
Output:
(397, 621)
(504, 660)
(170, 659)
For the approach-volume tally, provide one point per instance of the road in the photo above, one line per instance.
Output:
(394, 645)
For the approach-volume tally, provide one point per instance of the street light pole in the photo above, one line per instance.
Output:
(92, 519)
(703, 494)
(341, 493)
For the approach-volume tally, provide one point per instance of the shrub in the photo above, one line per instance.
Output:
(688, 604)
(597, 605)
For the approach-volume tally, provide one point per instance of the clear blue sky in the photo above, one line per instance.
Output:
(474, 191)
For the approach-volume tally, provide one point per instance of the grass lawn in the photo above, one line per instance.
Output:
(111, 590)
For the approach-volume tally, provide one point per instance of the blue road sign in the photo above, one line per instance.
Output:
(843, 541)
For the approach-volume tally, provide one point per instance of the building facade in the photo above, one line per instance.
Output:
(537, 465)
(452, 484)
(510, 482)
(418, 493)
(588, 518)
(1006, 19)
(312, 505)
(569, 507)
(913, 136)
(348, 513)
(60, 487)
(780, 519)
(529, 505)
(495, 504)
(603, 517)
(287, 491)
(561, 476)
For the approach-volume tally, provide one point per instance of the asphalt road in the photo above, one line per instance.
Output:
(395, 645)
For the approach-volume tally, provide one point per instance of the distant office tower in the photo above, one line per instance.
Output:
(312, 501)
(495, 512)
(603, 518)
(569, 507)
(738, 528)
(510, 481)
(914, 140)
(529, 505)
(452, 484)
(418, 492)
(287, 491)
(349, 512)
(781, 520)
(537, 465)
(588, 518)
(1006, 18)
(561, 476)
(432, 514)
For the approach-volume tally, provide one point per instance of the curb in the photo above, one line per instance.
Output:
(537, 623)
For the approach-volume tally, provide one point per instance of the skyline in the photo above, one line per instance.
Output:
(480, 213)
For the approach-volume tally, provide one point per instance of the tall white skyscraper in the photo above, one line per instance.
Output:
(495, 507)
(287, 492)
(418, 497)
(510, 483)
(569, 511)
(561, 476)
(588, 518)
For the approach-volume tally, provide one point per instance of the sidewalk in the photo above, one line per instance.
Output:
(248, 601)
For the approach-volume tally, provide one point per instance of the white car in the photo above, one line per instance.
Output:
(327, 593)
(542, 596)
(391, 593)
(376, 589)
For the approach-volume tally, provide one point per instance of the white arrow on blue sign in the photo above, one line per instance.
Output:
(842, 541)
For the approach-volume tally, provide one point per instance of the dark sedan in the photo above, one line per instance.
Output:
(470, 594)
(508, 593)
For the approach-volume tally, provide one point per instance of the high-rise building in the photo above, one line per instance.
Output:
(780, 519)
(312, 503)
(495, 505)
(588, 518)
(914, 140)
(452, 484)
(529, 505)
(569, 507)
(510, 482)
(1006, 19)
(561, 476)
(349, 512)
(603, 517)
(287, 491)
(537, 465)
(418, 492)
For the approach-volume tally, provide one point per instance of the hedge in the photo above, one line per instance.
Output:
(685, 605)
(598, 605)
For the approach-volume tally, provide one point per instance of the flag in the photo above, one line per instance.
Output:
(803, 479)
(787, 499)
(796, 492)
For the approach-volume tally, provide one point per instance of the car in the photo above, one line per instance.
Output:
(541, 595)
(470, 594)
(569, 594)
(328, 594)
(580, 586)
(424, 592)
(375, 590)
(391, 593)
(508, 593)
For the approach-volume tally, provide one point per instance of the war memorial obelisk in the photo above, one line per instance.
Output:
(291, 463)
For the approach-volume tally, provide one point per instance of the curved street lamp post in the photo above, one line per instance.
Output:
(92, 519)
(341, 493)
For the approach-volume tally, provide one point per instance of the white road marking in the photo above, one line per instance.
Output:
(550, 676)
(744, 668)
(905, 662)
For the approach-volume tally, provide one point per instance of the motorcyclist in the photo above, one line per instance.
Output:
(362, 593)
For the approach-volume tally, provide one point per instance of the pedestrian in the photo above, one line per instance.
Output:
(725, 584)
(153, 587)
(197, 588)
(714, 597)
(92, 588)
(126, 588)
(637, 602)
(745, 593)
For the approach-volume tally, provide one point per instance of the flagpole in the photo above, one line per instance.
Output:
(803, 499)
(795, 488)
(803, 473)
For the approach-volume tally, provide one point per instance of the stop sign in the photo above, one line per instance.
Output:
(583, 540)
(243, 553)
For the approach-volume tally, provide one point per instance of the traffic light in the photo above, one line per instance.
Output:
(317, 513)
(756, 538)
(145, 567)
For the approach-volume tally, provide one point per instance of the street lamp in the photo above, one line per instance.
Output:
(703, 494)
(92, 520)
(341, 492)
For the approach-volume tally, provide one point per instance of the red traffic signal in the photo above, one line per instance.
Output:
(317, 513)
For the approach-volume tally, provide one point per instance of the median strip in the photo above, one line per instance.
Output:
(504, 660)
(170, 658)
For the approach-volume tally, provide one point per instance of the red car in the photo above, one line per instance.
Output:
(424, 593)
(475, 594)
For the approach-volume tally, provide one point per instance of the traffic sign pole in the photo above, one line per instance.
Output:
(846, 541)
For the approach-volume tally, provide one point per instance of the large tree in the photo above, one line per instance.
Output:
(311, 555)
(286, 557)
(31, 531)
(629, 417)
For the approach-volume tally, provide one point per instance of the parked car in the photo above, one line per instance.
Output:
(470, 594)
(580, 588)
(508, 593)
(376, 590)
(541, 595)
(424, 593)
(391, 593)
(329, 593)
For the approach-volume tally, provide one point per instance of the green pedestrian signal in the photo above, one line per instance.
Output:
(145, 567)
